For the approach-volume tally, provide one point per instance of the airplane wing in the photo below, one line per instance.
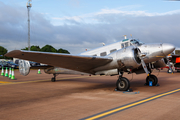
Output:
(82, 63)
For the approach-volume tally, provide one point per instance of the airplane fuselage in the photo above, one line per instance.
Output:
(125, 56)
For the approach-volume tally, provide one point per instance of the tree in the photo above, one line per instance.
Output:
(3, 51)
(63, 51)
(35, 48)
(26, 48)
(32, 48)
(48, 48)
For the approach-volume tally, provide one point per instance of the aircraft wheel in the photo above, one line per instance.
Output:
(53, 79)
(169, 71)
(153, 78)
(122, 84)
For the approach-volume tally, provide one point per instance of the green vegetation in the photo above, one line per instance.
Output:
(47, 48)
(63, 51)
(33, 48)
(3, 51)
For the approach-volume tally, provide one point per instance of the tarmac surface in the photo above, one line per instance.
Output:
(73, 97)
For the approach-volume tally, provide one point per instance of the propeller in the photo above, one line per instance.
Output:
(142, 61)
(24, 67)
(141, 56)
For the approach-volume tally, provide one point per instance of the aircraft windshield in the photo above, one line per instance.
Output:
(136, 42)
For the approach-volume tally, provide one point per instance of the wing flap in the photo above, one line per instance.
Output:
(74, 62)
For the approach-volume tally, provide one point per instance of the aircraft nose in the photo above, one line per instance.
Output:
(167, 48)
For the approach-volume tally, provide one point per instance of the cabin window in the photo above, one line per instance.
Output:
(122, 45)
(112, 50)
(126, 44)
(103, 54)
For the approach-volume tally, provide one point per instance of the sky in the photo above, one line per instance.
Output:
(77, 25)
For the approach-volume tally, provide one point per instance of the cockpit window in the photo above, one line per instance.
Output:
(136, 42)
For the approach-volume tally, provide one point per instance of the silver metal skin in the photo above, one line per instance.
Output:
(156, 51)
(123, 59)
(167, 48)
(59, 70)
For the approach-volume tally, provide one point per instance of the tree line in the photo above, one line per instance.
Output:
(46, 48)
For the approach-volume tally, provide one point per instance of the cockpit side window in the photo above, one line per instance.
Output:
(136, 42)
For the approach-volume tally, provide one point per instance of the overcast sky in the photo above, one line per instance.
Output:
(77, 25)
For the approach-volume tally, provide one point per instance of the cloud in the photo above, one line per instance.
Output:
(106, 15)
(77, 33)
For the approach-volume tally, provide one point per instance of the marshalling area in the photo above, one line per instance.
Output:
(74, 97)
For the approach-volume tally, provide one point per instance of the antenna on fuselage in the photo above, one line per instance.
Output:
(125, 36)
(103, 44)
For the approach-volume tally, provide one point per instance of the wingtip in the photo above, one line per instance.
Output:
(13, 53)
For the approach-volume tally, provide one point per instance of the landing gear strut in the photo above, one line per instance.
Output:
(53, 79)
(122, 83)
(152, 78)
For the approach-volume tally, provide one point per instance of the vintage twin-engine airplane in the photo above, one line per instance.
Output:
(128, 55)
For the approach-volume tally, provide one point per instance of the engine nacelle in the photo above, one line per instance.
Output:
(128, 58)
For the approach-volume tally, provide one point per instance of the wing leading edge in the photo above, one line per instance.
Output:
(82, 63)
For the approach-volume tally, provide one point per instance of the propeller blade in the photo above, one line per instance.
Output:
(144, 66)
(24, 67)
(142, 61)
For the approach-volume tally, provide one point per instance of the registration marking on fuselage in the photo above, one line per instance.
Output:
(127, 106)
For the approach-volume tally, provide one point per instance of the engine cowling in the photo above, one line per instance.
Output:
(128, 58)
(123, 59)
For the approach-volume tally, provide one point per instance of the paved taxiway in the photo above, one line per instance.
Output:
(74, 97)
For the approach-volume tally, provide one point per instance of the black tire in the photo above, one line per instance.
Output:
(153, 78)
(169, 71)
(123, 84)
(178, 70)
(53, 79)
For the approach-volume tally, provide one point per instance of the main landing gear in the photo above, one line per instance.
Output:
(122, 83)
(152, 78)
(53, 79)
